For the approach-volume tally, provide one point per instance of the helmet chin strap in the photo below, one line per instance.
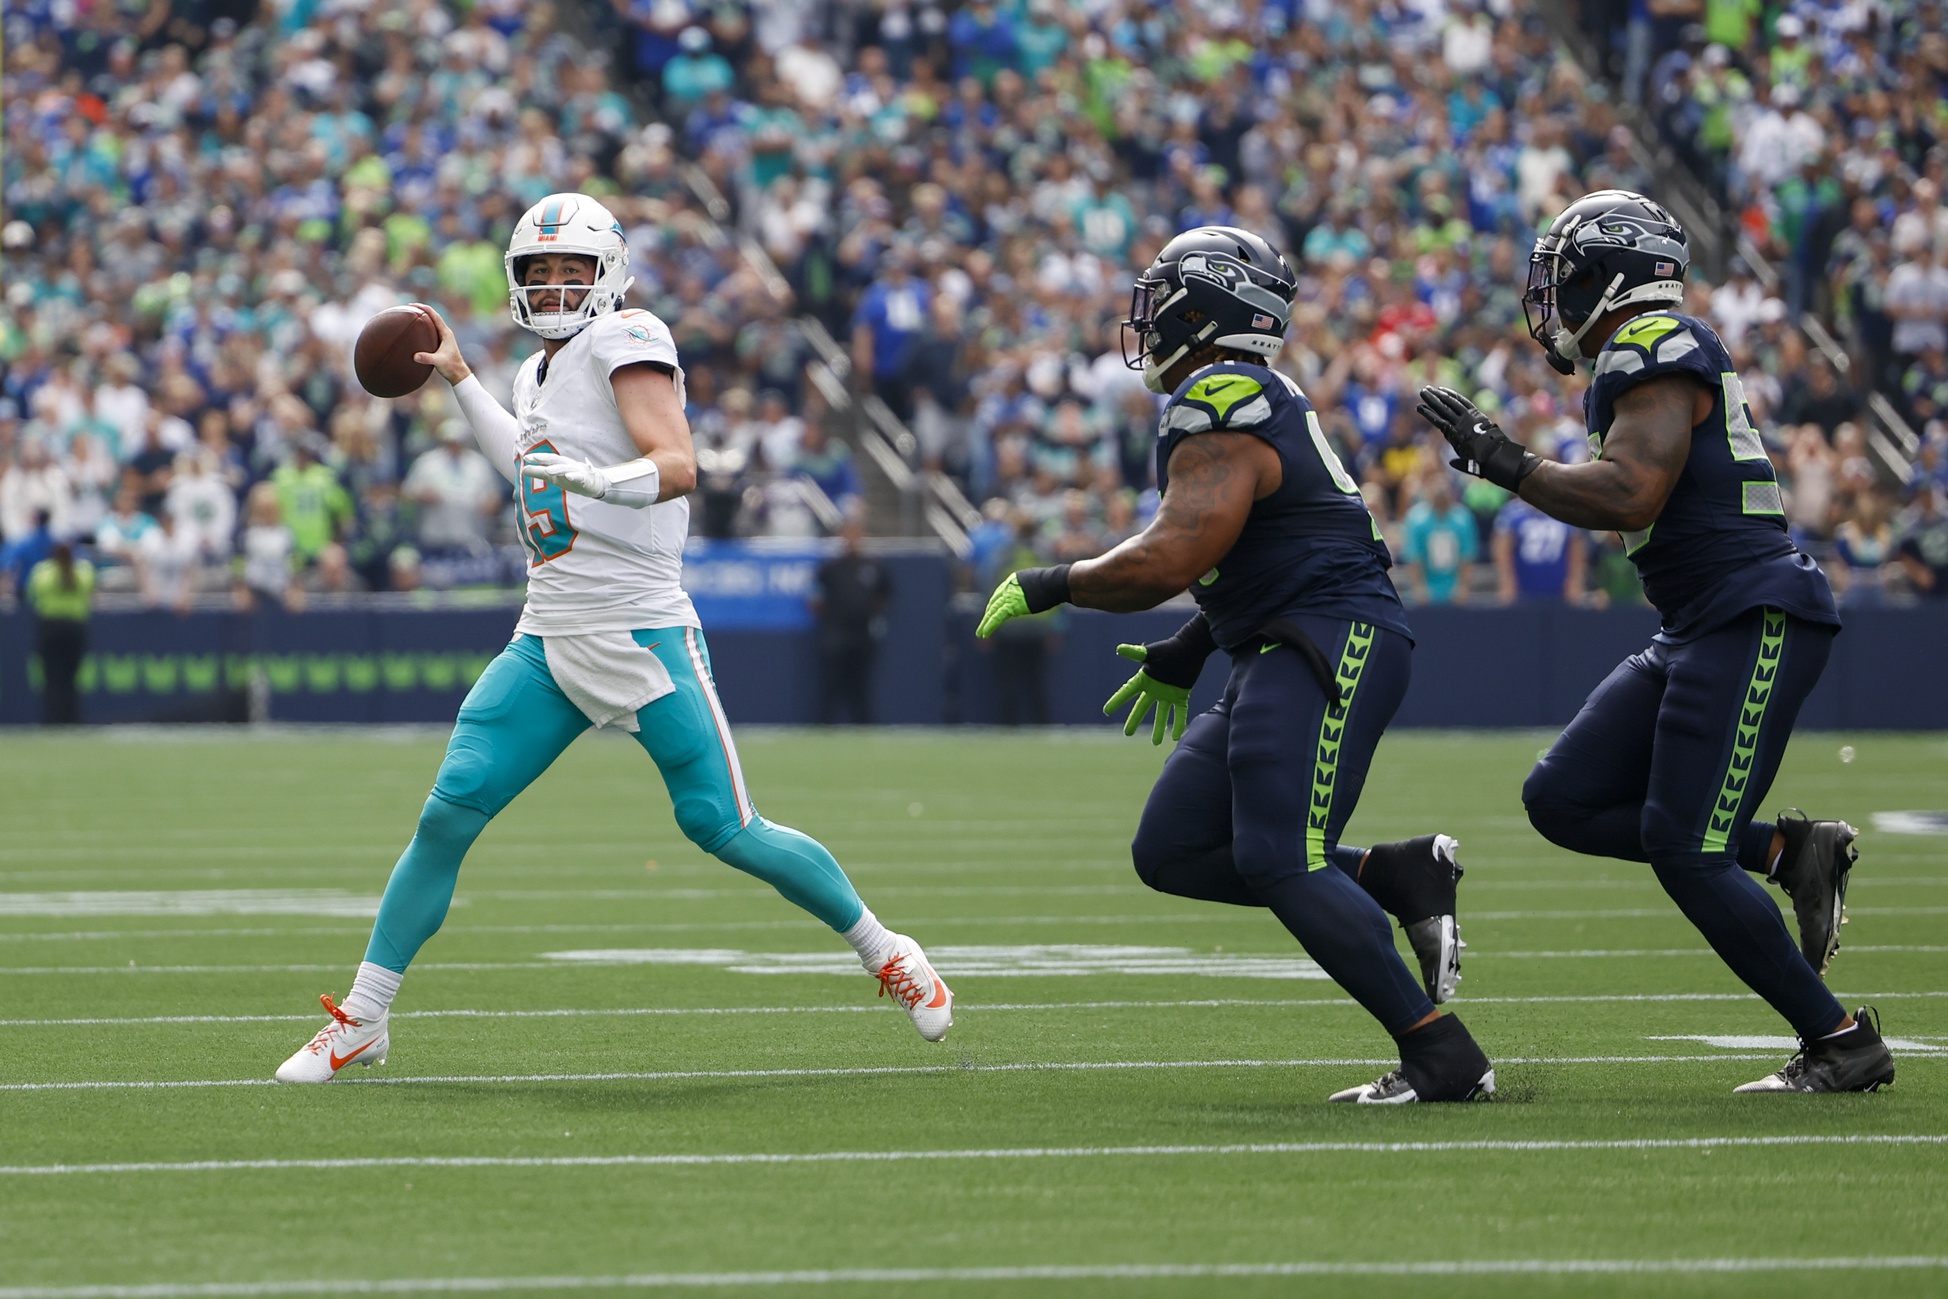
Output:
(1154, 370)
(1566, 348)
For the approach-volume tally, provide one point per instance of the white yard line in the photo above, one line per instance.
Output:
(382, 1080)
(133, 968)
(708, 926)
(982, 1007)
(990, 1275)
(1018, 1152)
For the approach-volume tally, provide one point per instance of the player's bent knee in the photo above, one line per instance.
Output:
(1551, 812)
(1152, 855)
(440, 819)
(466, 777)
(705, 822)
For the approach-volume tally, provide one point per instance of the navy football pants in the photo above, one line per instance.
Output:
(1251, 802)
(1667, 762)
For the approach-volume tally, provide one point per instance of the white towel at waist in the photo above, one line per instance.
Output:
(607, 675)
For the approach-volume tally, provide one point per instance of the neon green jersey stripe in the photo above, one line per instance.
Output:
(1332, 730)
(1751, 716)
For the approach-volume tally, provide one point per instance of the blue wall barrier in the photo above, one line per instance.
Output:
(387, 663)
(1530, 665)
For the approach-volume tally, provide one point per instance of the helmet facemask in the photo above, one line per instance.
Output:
(1144, 305)
(577, 226)
(1580, 267)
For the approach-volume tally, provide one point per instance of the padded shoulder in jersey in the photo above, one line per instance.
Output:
(1661, 343)
(628, 337)
(1231, 396)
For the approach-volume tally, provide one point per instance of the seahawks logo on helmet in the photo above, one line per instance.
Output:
(1610, 249)
(1215, 286)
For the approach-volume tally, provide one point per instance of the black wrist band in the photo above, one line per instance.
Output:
(1195, 637)
(1044, 588)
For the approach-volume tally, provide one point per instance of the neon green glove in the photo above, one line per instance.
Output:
(1032, 590)
(1172, 703)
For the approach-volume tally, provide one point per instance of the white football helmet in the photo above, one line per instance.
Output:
(568, 223)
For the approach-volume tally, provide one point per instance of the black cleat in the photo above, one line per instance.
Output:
(1856, 1060)
(1439, 1062)
(1415, 881)
(1813, 871)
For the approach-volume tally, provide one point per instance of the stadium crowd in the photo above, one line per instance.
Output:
(201, 210)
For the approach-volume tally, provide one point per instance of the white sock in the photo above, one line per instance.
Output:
(1772, 870)
(372, 992)
(1838, 1032)
(873, 941)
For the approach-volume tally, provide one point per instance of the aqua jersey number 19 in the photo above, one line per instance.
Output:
(545, 526)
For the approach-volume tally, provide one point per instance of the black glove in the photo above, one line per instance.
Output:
(1178, 659)
(1480, 446)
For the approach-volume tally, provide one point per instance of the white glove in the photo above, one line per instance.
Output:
(634, 483)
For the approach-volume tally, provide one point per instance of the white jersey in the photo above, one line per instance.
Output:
(595, 567)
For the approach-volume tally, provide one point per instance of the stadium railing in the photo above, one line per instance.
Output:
(923, 495)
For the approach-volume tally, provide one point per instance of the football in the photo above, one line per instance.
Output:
(383, 358)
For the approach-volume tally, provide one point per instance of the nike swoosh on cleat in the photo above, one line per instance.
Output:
(340, 1061)
(939, 994)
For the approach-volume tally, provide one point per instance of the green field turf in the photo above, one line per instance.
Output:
(155, 928)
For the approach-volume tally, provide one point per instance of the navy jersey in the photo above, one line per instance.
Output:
(1310, 547)
(1720, 546)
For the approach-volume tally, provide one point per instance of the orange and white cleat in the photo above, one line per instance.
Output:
(341, 1042)
(909, 978)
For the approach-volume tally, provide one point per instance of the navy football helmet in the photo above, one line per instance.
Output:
(1606, 250)
(1215, 286)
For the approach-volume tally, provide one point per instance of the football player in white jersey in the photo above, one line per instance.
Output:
(600, 456)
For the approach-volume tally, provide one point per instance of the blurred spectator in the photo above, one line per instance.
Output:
(1862, 544)
(460, 495)
(60, 590)
(1537, 557)
(828, 465)
(204, 504)
(1812, 470)
(24, 550)
(1917, 299)
(1813, 395)
(853, 596)
(313, 506)
(151, 466)
(776, 431)
(166, 565)
(93, 477)
(35, 494)
(1922, 550)
(333, 574)
(891, 312)
(266, 564)
(1924, 386)
(1439, 543)
(694, 73)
